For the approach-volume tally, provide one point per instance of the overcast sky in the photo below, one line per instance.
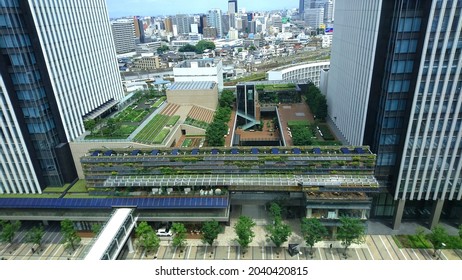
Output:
(120, 8)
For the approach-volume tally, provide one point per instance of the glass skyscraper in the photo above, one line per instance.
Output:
(57, 68)
(400, 93)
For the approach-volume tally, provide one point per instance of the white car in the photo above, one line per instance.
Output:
(164, 232)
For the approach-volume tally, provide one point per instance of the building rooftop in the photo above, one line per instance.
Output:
(192, 85)
(195, 63)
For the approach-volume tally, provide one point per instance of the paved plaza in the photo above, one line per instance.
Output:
(376, 247)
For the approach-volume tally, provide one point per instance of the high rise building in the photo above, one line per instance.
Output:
(232, 7)
(214, 20)
(395, 84)
(168, 24)
(139, 29)
(123, 32)
(328, 12)
(183, 23)
(51, 79)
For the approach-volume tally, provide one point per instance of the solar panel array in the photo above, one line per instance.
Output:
(108, 203)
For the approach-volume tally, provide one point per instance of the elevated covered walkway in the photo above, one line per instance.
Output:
(113, 236)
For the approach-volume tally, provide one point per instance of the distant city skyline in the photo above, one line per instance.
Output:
(118, 8)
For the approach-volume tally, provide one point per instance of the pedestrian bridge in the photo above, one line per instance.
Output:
(113, 235)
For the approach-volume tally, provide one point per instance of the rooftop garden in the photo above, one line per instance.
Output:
(125, 121)
(275, 87)
(157, 129)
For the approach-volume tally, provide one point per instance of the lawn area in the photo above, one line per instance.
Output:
(298, 123)
(19, 195)
(196, 123)
(131, 114)
(79, 187)
(152, 129)
(186, 143)
(56, 189)
(172, 121)
(275, 87)
(121, 132)
(326, 133)
(159, 102)
(161, 136)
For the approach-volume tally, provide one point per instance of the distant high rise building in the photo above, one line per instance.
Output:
(202, 23)
(225, 23)
(328, 12)
(395, 84)
(123, 32)
(139, 29)
(314, 17)
(183, 23)
(301, 8)
(214, 20)
(232, 7)
(51, 80)
(168, 24)
(210, 32)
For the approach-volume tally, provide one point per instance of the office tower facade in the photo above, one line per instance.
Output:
(395, 78)
(123, 32)
(214, 20)
(51, 79)
(232, 7)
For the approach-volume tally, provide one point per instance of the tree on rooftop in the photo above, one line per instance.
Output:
(70, 237)
(351, 231)
(244, 232)
(313, 231)
(9, 229)
(90, 125)
(227, 98)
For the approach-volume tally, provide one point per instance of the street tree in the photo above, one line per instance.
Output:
(351, 231)
(460, 231)
(96, 228)
(210, 231)
(162, 49)
(203, 45)
(146, 237)
(35, 235)
(275, 211)
(278, 232)
(9, 229)
(312, 231)
(244, 232)
(70, 237)
(187, 48)
(438, 237)
(179, 237)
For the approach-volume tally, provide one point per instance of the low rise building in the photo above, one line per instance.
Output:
(200, 70)
(302, 71)
(204, 94)
(147, 62)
